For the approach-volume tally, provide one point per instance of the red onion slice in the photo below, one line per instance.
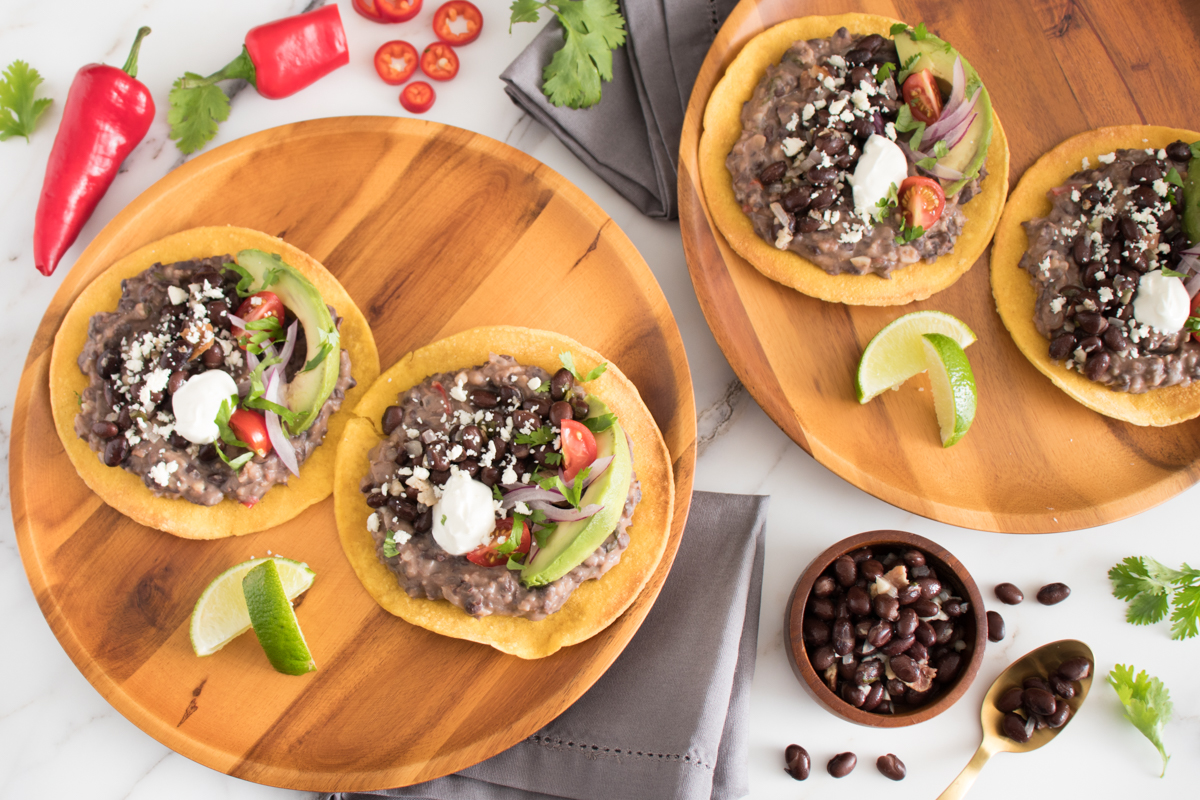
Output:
(557, 514)
(238, 321)
(528, 494)
(1194, 250)
(290, 343)
(279, 440)
(1191, 263)
(597, 469)
(947, 122)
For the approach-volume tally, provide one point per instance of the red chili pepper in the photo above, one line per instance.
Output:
(107, 114)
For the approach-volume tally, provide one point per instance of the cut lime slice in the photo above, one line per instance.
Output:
(274, 621)
(220, 615)
(896, 353)
(953, 386)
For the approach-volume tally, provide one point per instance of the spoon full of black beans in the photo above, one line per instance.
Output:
(1029, 704)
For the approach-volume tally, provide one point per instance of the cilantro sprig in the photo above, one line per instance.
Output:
(389, 546)
(573, 491)
(1145, 584)
(905, 122)
(940, 151)
(229, 437)
(568, 361)
(909, 233)
(246, 280)
(592, 29)
(543, 435)
(599, 423)
(1147, 704)
(19, 109)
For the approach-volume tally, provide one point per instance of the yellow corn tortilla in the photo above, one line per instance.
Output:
(722, 129)
(125, 491)
(1013, 290)
(596, 603)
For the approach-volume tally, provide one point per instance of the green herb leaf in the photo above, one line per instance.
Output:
(1170, 273)
(1192, 324)
(543, 387)
(905, 123)
(496, 493)
(554, 459)
(542, 534)
(443, 519)
(1195, 148)
(940, 149)
(920, 33)
(600, 423)
(319, 357)
(514, 536)
(592, 29)
(19, 111)
(884, 71)
(1185, 616)
(1147, 704)
(516, 561)
(389, 546)
(1173, 177)
(568, 361)
(898, 27)
(908, 234)
(524, 11)
(906, 68)
(1147, 596)
(270, 277)
(543, 435)
(927, 163)
(195, 112)
(228, 436)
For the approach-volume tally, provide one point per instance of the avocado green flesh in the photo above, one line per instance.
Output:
(1191, 202)
(572, 542)
(308, 389)
(967, 156)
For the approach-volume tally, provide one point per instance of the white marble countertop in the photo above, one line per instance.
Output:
(58, 735)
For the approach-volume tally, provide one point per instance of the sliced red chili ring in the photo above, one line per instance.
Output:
(439, 61)
(387, 56)
(398, 10)
(417, 97)
(366, 8)
(458, 22)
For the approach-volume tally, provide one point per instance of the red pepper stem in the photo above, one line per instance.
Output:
(241, 67)
(130, 67)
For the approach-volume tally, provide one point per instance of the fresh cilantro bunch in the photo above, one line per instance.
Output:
(1146, 584)
(592, 29)
(19, 111)
(568, 361)
(1147, 704)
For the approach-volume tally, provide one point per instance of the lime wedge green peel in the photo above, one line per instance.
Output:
(220, 615)
(953, 386)
(274, 621)
(896, 353)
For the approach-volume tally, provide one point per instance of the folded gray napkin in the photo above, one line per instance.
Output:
(631, 137)
(667, 720)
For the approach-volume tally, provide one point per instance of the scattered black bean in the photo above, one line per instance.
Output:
(995, 624)
(1011, 699)
(796, 762)
(1009, 594)
(842, 764)
(891, 767)
(1017, 728)
(1053, 593)
(1075, 669)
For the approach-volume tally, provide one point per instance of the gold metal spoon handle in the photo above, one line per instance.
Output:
(967, 777)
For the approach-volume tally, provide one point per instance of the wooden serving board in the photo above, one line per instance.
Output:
(1034, 460)
(432, 230)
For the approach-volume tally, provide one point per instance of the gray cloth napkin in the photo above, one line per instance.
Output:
(667, 720)
(631, 137)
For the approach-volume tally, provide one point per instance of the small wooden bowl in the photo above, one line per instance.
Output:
(952, 573)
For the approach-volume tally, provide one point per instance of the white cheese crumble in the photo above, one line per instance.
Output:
(535, 383)
(793, 122)
(161, 472)
(177, 295)
(1107, 158)
(1056, 305)
(792, 146)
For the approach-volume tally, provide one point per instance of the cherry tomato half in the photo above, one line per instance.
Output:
(396, 61)
(457, 22)
(439, 61)
(1195, 312)
(578, 446)
(251, 427)
(398, 10)
(255, 307)
(921, 200)
(923, 96)
(366, 8)
(417, 97)
(486, 555)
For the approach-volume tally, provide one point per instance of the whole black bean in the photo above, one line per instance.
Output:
(925, 633)
(943, 629)
(905, 668)
(559, 411)
(1062, 713)
(439, 476)
(955, 607)
(823, 658)
(797, 199)
(1144, 196)
(105, 429)
(808, 224)
(872, 42)
(116, 451)
(1062, 346)
(909, 594)
(525, 420)
(579, 407)
(1075, 669)
(539, 404)
(1091, 322)
(898, 645)
(424, 521)
(1061, 686)
(489, 476)
(858, 55)
(772, 173)
(931, 587)
(870, 569)
(174, 357)
(207, 453)
(824, 586)
(1017, 728)
(472, 440)
(880, 634)
(926, 608)
(1053, 593)
(823, 200)
(1011, 699)
(914, 558)
(855, 693)
(435, 456)
(1038, 701)
(821, 176)
(1144, 173)
(469, 466)
(821, 607)
(847, 667)
(1176, 151)
(995, 625)
(842, 764)
(947, 666)
(907, 621)
(796, 762)
(858, 601)
(896, 687)
(874, 697)
(483, 398)
(1090, 344)
(918, 652)
(830, 143)
(377, 500)
(869, 671)
(109, 363)
(562, 381)
(1095, 275)
(405, 509)
(1036, 682)
(1081, 251)
(1095, 368)
(392, 417)
(886, 607)
(843, 637)
(213, 357)
(862, 126)
(1129, 230)
(1115, 339)
(846, 570)
(891, 767)
(510, 397)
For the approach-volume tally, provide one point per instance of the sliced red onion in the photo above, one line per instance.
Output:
(1194, 250)
(279, 440)
(251, 360)
(597, 469)
(946, 122)
(528, 494)
(290, 343)
(1192, 264)
(809, 161)
(238, 321)
(557, 514)
(945, 173)
(959, 133)
(958, 87)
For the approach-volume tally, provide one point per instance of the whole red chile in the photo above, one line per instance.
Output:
(292, 53)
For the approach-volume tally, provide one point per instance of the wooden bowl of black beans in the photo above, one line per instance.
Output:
(886, 628)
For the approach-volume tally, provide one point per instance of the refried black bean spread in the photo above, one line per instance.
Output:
(469, 421)
(803, 132)
(1110, 225)
(170, 324)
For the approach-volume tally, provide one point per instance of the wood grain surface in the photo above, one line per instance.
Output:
(432, 230)
(1034, 460)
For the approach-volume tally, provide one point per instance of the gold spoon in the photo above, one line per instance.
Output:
(1041, 662)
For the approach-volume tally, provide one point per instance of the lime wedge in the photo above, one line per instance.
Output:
(895, 353)
(220, 615)
(953, 386)
(274, 621)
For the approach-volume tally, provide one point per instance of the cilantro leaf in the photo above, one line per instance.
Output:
(568, 361)
(600, 423)
(906, 68)
(1192, 324)
(389, 546)
(229, 437)
(1170, 273)
(927, 163)
(1186, 613)
(592, 29)
(1147, 704)
(1145, 584)
(496, 493)
(19, 111)
(898, 27)
(514, 536)
(1173, 177)
(884, 71)
(543, 435)
(940, 149)
(908, 234)
(920, 33)
(554, 459)
(1195, 148)
(195, 112)
(906, 122)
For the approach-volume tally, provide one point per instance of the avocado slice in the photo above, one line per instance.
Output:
(572, 542)
(310, 387)
(1191, 201)
(938, 57)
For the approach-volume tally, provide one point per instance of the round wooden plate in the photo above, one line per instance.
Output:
(1034, 461)
(432, 230)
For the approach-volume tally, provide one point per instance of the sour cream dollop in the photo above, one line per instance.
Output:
(464, 517)
(197, 402)
(881, 166)
(1161, 302)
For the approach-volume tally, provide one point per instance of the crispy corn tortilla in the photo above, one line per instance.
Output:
(125, 491)
(1013, 289)
(596, 603)
(722, 129)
